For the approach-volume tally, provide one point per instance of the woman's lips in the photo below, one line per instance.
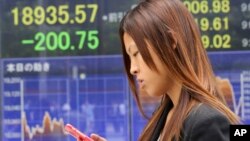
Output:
(140, 82)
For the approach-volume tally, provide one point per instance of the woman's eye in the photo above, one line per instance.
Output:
(135, 53)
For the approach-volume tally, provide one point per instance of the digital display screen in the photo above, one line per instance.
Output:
(47, 94)
(61, 28)
(60, 62)
(224, 24)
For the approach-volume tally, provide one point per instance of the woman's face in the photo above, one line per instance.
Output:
(152, 82)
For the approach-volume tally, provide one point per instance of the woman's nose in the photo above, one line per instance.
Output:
(133, 69)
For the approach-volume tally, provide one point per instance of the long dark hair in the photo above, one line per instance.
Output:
(170, 29)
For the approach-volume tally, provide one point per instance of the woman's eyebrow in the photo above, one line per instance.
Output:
(129, 48)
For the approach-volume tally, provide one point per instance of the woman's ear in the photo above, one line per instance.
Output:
(173, 38)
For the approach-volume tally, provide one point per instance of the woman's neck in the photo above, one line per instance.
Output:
(174, 94)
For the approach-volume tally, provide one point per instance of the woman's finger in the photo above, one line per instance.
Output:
(96, 137)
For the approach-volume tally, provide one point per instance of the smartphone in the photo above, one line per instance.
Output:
(76, 133)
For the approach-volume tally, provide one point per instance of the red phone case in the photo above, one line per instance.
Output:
(76, 133)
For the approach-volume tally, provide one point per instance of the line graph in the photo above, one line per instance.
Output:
(35, 106)
(38, 104)
(49, 128)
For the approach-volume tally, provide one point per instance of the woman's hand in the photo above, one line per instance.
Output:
(95, 137)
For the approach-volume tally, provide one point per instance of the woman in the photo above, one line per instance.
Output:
(164, 57)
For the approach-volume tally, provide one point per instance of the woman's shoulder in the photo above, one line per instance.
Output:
(203, 112)
(204, 121)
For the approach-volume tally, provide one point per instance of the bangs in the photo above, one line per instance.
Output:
(133, 21)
